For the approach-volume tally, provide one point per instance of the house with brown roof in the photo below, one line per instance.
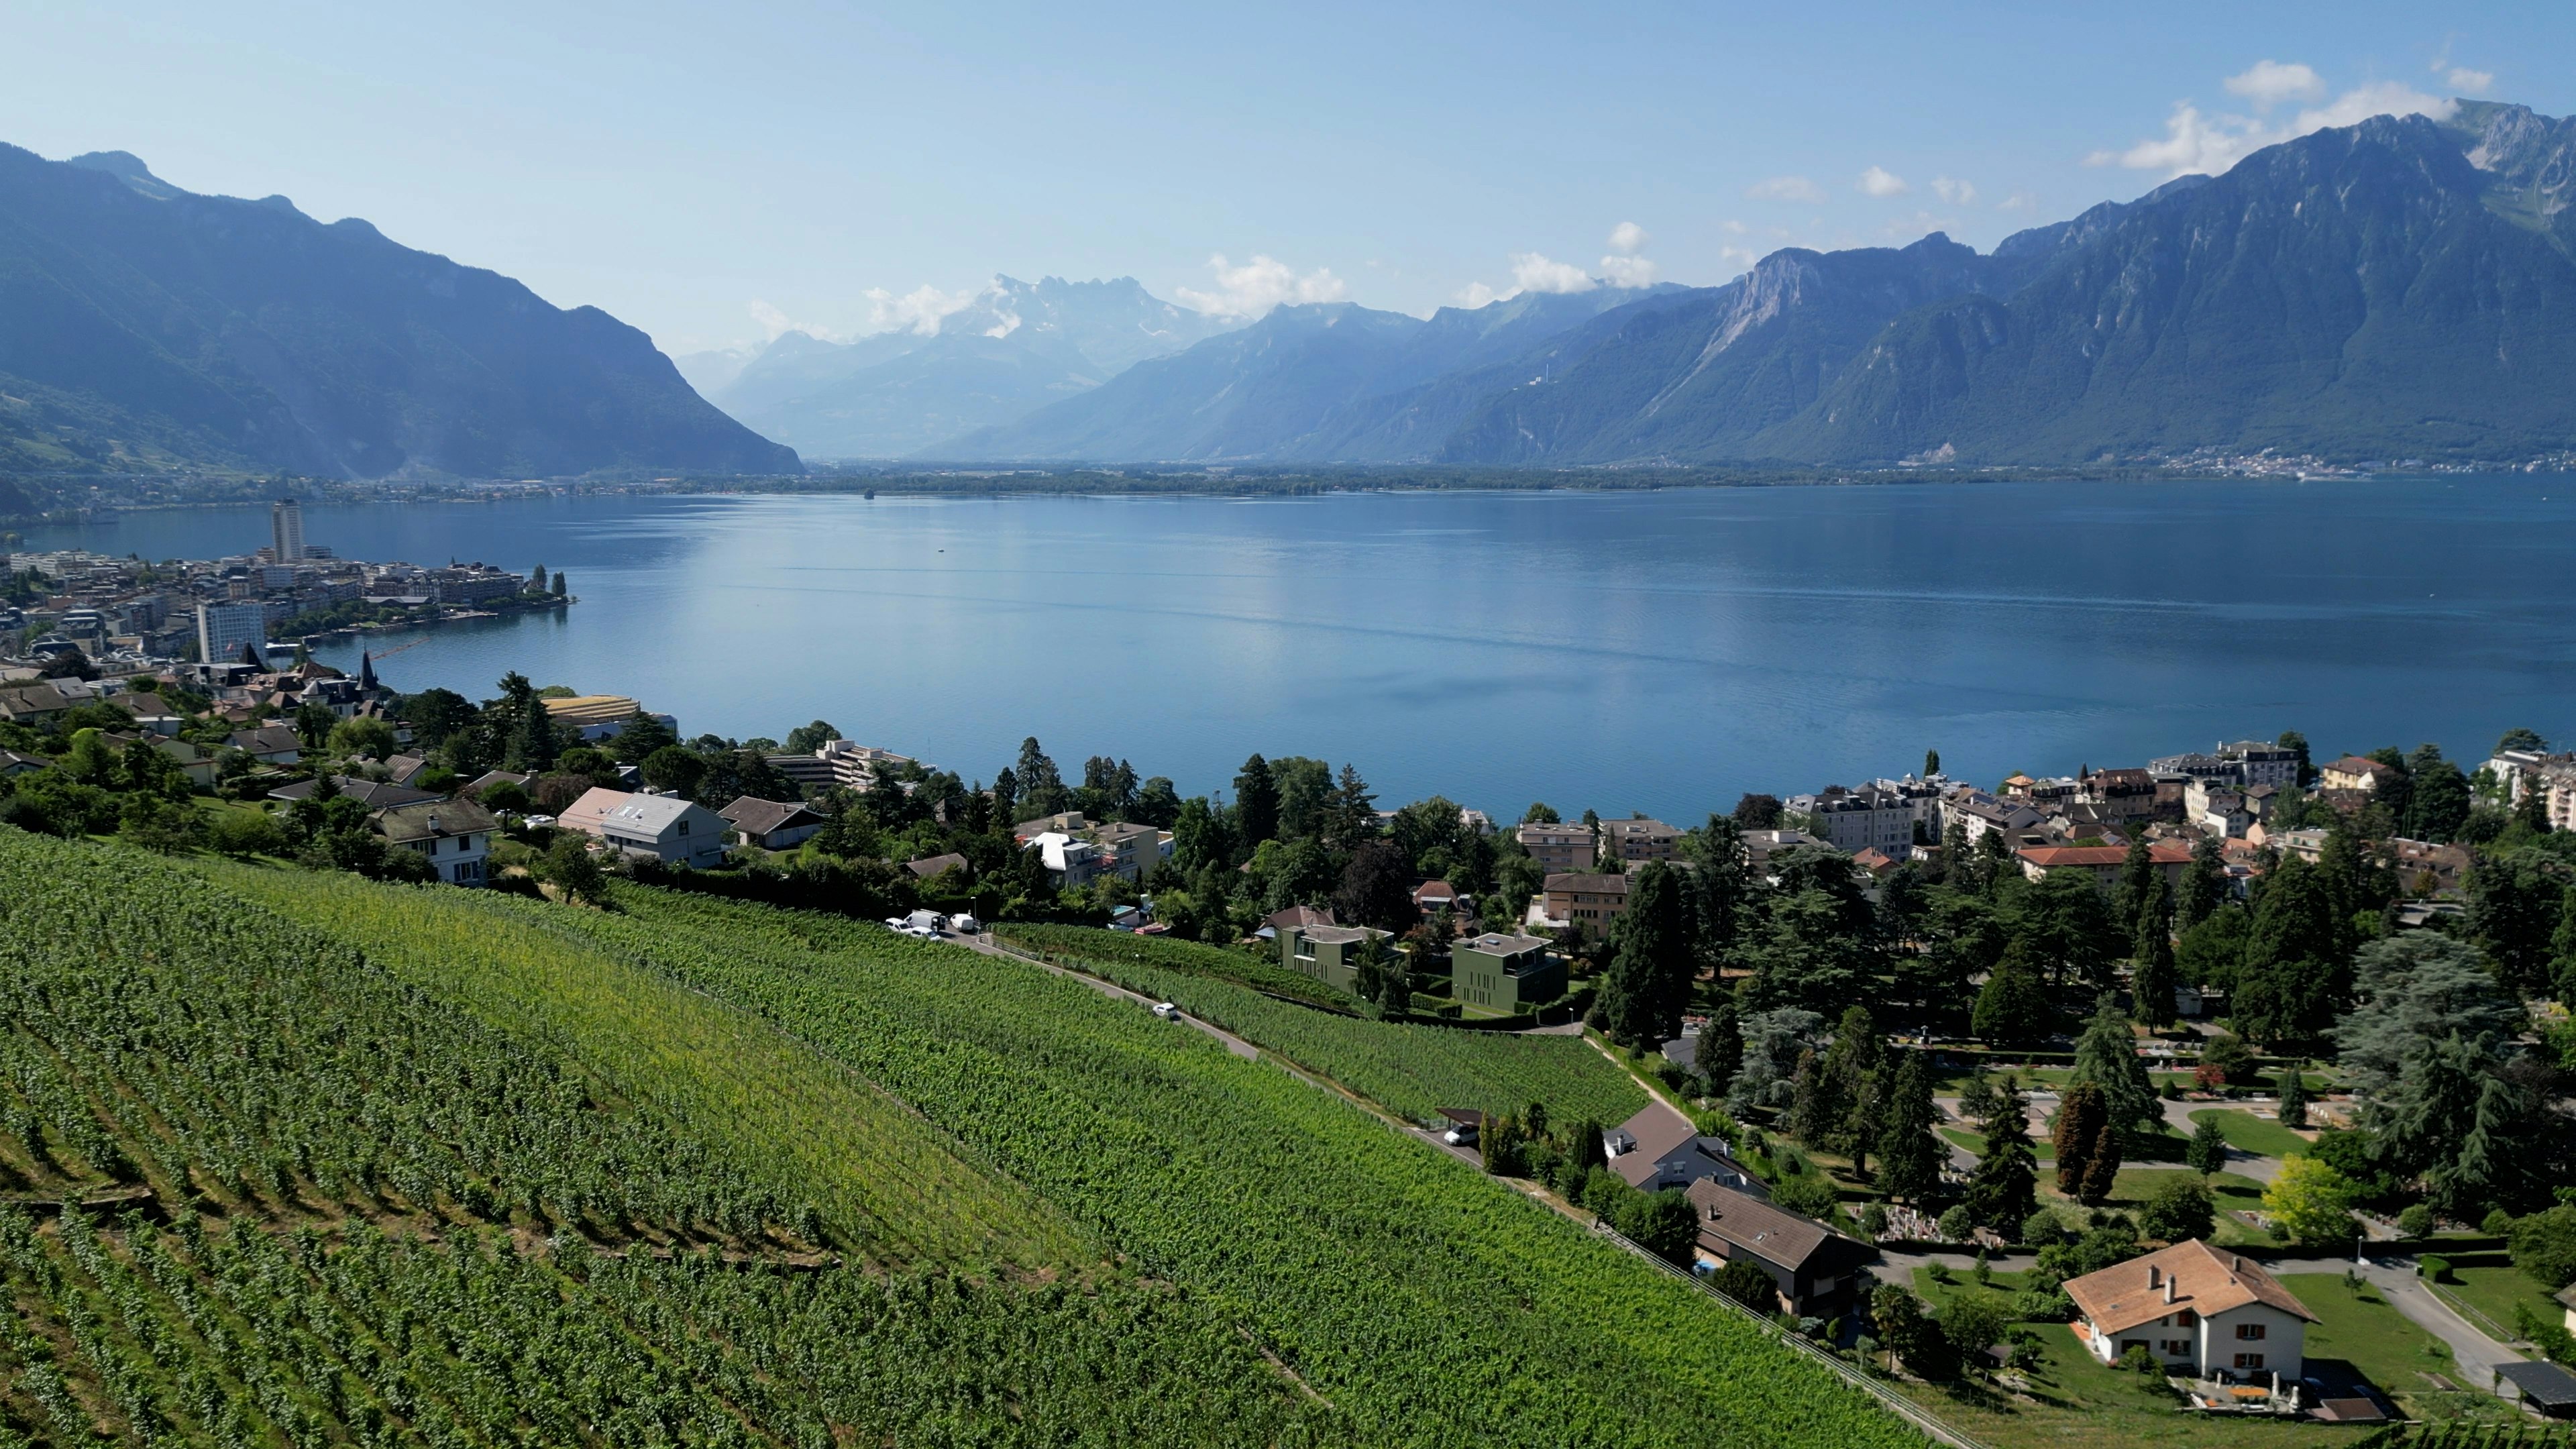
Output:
(771, 824)
(1638, 838)
(1659, 1148)
(2195, 1308)
(1817, 1272)
(2352, 772)
(2102, 862)
(1593, 901)
(935, 865)
(1559, 847)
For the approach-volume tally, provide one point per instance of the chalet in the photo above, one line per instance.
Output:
(1433, 896)
(771, 824)
(2196, 1309)
(1817, 1272)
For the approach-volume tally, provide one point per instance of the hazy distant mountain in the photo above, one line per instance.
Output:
(1318, 381)
(2396, 289)
(142, 324)
(1015, 348)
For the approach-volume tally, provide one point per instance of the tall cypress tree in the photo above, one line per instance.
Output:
(1853, 1063)
(1909, 1155)
(2294, 1095)
(2129, 897)
(2151, 958)
(1256, 802)
(1649, 978)
(1721, 1046)
(2081, 1114)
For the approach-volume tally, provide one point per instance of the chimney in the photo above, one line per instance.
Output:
(2236, 1263)
(2155, 1275)
(2169, 1288)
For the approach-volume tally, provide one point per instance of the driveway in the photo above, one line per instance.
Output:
(2474, 1355)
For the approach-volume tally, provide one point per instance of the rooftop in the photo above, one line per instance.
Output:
(2204, 1280)
(1599, 884)
(1744, 1221)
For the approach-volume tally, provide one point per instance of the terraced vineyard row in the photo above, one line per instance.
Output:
(1413, 1070)
(1186, 958)
(1429, 1304)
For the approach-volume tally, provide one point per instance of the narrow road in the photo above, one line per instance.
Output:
(2475, 1354)
(986, 945)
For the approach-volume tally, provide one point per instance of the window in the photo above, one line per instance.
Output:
(2251, 1330)
(684, 827)
(2249, 1360)
(2175, 1348)
(2186, 1318)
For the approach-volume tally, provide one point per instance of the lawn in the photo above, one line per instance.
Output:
(2248, 1133)
(2497, 1292)
(1975, 1142)
(2365, 1331)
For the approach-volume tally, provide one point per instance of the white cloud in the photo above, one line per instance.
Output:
(1627, 238)
(2269, 83)
(1740, 258)
(1733, 226)
(918, 310)
(2471, 82)
(2018, 201)
(1534, 273)
(1252, 289)
(1621, 271)
(1957, 193)
(2196, 142)
(1477, 294)
(1879, 181)
(1785, 188)
(774, 323)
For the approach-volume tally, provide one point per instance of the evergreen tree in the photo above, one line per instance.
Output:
(2151, 958)
(1909, 1155)
(2562, 950)
(2106, 1056)
(1256, 803)
(2081, 1115)
(1648, 982)
(2294, 1096)
(1931, 763)
(2012, 1007)
(1853, 1065)
(2138, 874)
(2102, 1164)
(1812, 1109)
(562, 590)
(2004, 1188)
(1721, 1047)
(2204, 885)
(2207, 1153)
(1042, 790)
(2292, 976)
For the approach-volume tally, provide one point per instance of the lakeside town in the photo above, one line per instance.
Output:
(2146, 1050)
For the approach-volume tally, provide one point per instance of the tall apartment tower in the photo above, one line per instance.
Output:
(286, 529)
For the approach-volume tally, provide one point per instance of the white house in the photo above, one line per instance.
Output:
(2198, 1310)
(1071, 860)
(772, 824)
(671, 829)
(456, 835)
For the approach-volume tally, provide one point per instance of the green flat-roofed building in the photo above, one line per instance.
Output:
(1330, 954)
(1509, 974)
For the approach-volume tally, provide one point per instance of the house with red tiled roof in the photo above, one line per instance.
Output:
(2103, 862)
(2195, 1308)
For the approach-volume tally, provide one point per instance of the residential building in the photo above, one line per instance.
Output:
(854, 766)
(286, 531)
(14, 763)
(269, 744)
(2103, 862)
(1975, 813)
(596, 716)
(1817, 1272)
(1330, 954)
(374, 794)
(1509, 974)
(1659, 1148)
(1761, 845)
(2197, 1309)
(930, 866)
(1559, 847)
(2352, 772)
(1591, 901)
(2307, 845)
(2426, 869)
(1638, 838)
(2516, 771)
(1852, 820)
(1070, 860)
(33, 704)
(1131, 850)
(225, 630)
(771, 824)
(403, 769)
(2123, 794)
(456, 835)
(1434, 896)
(668, 828)
(2560, 782)
(2215, 808)
(1475, 822)
(809, 773)
(475, 787)
(1291, 918)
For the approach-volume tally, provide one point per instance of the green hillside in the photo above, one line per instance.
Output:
(434, 1165)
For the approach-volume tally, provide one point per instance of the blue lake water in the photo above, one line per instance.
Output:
(1650, 651)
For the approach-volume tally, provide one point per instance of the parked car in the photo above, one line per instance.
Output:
(1461, 1135)
(1166, 1010)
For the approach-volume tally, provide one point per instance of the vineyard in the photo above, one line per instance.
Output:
(299, 1159)
(256, 1190)
(1181, 958)
(1412, 1070)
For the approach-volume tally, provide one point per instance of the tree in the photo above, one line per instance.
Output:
(674, 768)
(1256, 802)
(1042, 789)
(2206, 1153)
(2294, 1096)
(1758, 812)
(1931, 763)
(366, 736)
(1909, 1155)
(2228, 1060)
(1811, 1103)
(2065, 930)
(805, 739)
(1720, 1049)
(1662, 1223)
(1748, 1283)
(313, 723)
(1973, 1323)
(2204, 884)
(2515, 902)
(2309, 1202)
(2138, 874)
(2012, 1007)
(2521, 739)
(1911, 1334)
(1853, 1066)
(2004, 1187)
(562, 589)
(2290, 983)
(2106, 1056)
(2178, 1212)
(1376, 889)
(2152, 978)
(2411, 989)
(2295, 741)
(2544, 1246)
(434, 715)
(570, 866)
(1650, 971)
(2083, 1124)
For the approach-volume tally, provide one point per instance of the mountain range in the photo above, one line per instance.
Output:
(1010, 350)
(2401, 288)
(142, 325)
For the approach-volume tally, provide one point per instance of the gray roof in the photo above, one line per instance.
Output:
(373, 794)
(2544, 1383)
(1773, 1234)
(755, 816)
(931, 865)
(433, 818)
(1585, 881)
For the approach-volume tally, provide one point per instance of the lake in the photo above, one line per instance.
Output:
(1656, 651)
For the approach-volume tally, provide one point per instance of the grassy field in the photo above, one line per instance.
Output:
(2497, 1292)
(1411, 1070)
(2246, 1132)
(2364, 1330)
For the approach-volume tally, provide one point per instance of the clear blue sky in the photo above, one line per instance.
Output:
(714, 173)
